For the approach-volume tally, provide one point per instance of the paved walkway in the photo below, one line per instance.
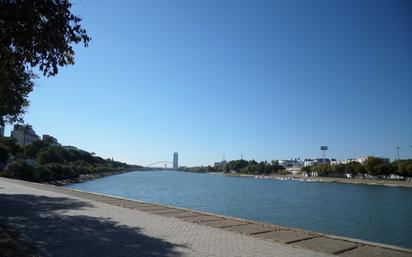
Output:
(69, 223)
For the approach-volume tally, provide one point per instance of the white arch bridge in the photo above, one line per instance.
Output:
(159, 162)
(167, 165)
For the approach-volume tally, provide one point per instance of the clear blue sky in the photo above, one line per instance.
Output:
(266, 79)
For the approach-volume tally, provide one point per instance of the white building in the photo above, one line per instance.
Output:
(348, 161)
(362, 160)
(24, 134)
(290, 163)
(311, 162)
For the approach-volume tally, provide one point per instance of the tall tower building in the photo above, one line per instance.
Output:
(175, 160)
(24, 134)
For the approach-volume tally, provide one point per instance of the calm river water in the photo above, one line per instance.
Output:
(375, 213)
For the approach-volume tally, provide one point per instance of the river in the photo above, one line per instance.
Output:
(375, 213)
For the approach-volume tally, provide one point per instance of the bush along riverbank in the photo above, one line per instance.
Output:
(42, 161)
(372, 168)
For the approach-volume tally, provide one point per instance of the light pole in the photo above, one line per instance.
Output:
(323, 148)
(397, 149)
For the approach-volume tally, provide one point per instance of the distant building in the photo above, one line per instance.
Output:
(1, 131)
(175, 160)
(362, 160)
(49, 139)
(311, 162)
(220, 164)
(24, 134)
(348, 161)
(334, 162)
(290, 163)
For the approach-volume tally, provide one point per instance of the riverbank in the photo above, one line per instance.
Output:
(85, 177)
(75, 223)
(373, 182)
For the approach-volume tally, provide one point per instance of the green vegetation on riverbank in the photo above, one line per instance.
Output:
(373, 166)
(244, 167)
(45, 162)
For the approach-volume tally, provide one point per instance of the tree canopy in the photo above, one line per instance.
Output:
(40, 161)
(34, 34)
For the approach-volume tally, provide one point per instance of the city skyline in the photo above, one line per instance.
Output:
(268, 80)
(174, 163)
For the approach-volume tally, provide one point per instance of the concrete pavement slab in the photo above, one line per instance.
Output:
(326, 245)
(149, 208)
(370, 251)
(285, 236)
(181, 214)
(223, 223)
(164, 211)
(249, 229)
(202, 218)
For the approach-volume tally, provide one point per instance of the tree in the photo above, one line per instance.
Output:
(43, 173)
(370, 164)
(20, 169)
(354, 168)
(4, 154)
(338, 170)
(31, 150)
(50, 154)
(403, 167)
(60, 171)
(383, 169)
(10, 144)
(34, 34)
(408, 170)
(260, 168)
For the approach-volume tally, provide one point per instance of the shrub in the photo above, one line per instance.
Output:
(10, 144)
(60, 171)
(283, 172)
(354, 168)
(43, 173)
(50, 154)
(82, 167)
(31, 150)
(102, 169)
(4, 154)
(20, 170)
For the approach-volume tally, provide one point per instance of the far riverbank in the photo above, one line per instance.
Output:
(374, 182)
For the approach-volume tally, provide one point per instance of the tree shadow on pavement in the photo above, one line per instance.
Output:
(79, 236)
